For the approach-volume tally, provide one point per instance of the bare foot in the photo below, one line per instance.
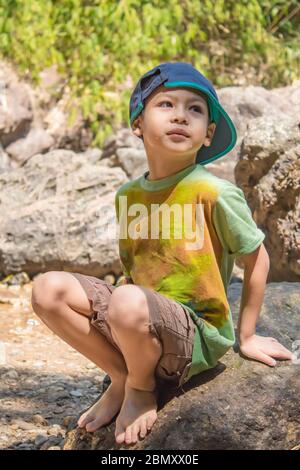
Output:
(137, 415)
(105, 408)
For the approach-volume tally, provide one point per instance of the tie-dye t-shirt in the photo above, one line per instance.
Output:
(189, 255)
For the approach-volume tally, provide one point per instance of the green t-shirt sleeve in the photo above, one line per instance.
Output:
(232, 218)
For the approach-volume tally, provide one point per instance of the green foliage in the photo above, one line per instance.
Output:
(102, 47)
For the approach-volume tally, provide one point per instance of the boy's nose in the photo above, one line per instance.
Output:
(179, 116)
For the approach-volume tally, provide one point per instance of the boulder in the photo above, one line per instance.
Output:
(245, 103)
(239, 404)
(36, 141)
(57, 212)
(16, 113)
(268, 171)
(34, 119)
(123, 149)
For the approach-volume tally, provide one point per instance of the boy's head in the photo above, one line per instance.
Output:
(180, 109)
(175, 96)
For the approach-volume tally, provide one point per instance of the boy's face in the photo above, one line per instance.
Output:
(170, 108)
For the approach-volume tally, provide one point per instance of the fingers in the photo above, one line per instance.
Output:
(276, 349)
(261, 356)
(281, 353)
(266, 349)
(268, 358)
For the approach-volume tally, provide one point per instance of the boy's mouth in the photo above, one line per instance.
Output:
(178, 131)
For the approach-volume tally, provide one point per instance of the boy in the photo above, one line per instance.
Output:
(171, 318)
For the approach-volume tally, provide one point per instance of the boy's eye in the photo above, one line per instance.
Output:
(169, 102)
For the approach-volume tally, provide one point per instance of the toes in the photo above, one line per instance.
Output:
(150, 422)
(119, 434)
(96, 423)
(143, 431)
(128, 435)
(91, 426)
(85, 421)
(120, 438)
(134, 433)
(82, 420)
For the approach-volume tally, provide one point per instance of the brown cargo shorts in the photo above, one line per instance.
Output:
(170, 322)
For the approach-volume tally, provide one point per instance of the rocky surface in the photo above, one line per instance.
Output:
(240, 404)
(44, 382)
(268, 171)
(35, 119)
(45, 385)
(123, 149)
(246, 103)
(57, 212)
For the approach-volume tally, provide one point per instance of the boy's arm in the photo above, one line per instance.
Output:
(264, 349)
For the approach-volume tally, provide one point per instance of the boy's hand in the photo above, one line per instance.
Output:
(264, 349)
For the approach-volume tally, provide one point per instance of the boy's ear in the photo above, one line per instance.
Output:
(210, 134)
(136, 126)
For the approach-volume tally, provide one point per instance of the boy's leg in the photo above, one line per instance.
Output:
(128, 317)
(61, 303)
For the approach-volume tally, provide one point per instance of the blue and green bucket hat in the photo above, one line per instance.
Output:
(183, 74)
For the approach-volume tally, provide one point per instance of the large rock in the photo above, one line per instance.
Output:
(56, 212)
(75, 136)
(269, 174)
(36, 119)
(36, 141)
(245, 103)
(16, 114)
(240, 404)
(123, 149)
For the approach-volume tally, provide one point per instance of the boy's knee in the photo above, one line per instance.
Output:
(128, 307)
(45, 290)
